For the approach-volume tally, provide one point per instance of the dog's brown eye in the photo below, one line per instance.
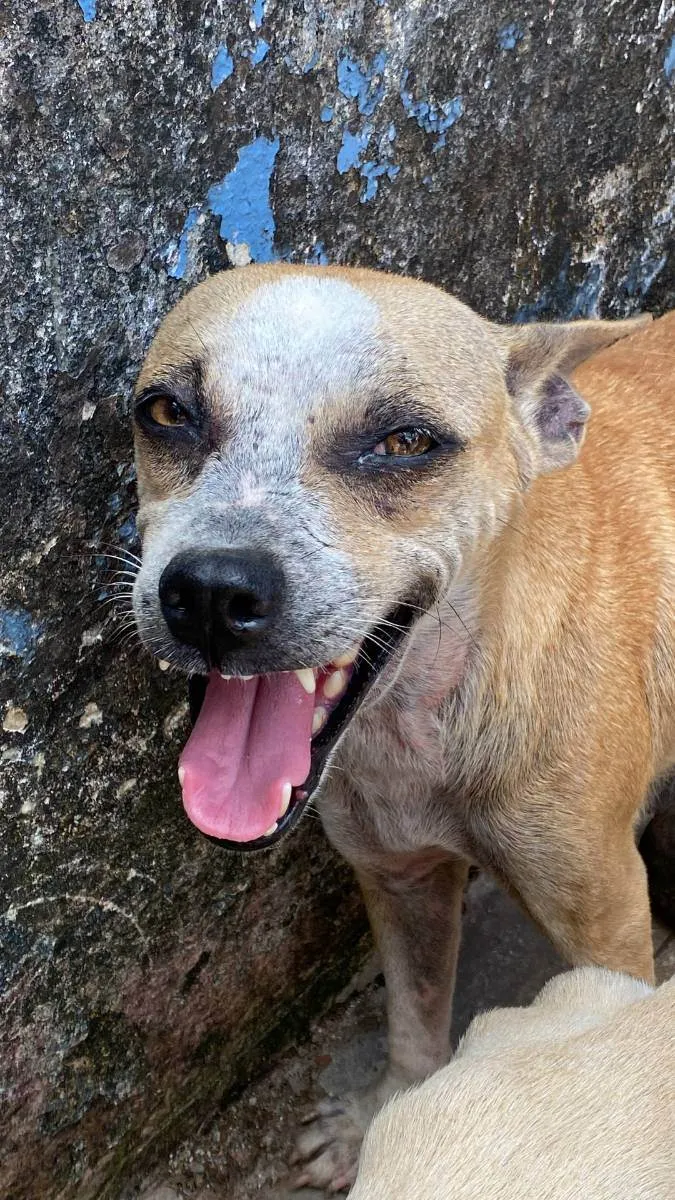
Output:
(405, 443)
(165, 411)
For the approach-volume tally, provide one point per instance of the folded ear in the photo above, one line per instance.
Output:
(537, 362)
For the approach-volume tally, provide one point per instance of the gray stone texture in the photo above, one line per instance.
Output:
(519, 154)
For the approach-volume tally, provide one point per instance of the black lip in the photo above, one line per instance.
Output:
(379, 646)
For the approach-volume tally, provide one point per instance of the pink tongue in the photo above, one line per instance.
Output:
(251, 738)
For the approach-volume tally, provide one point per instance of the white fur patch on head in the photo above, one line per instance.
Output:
(314, 327)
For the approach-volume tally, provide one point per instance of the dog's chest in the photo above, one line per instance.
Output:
(399, 795)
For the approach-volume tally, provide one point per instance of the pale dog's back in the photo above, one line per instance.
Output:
(572, 1098)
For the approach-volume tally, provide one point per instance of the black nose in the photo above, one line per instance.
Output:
(220, 600)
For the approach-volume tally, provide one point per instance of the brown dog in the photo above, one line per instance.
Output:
(352, 505)
(572, 1098)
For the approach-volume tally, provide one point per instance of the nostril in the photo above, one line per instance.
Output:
(245, 609)
(173, 599)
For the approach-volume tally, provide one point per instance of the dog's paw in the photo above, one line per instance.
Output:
(327, 1149)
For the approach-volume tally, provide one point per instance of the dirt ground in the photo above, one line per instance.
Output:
(243, 1153)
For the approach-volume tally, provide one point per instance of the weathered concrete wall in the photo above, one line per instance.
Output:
(519, 153)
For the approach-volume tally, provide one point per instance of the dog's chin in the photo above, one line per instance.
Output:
(369, 661)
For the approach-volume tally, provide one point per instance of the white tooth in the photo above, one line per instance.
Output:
(334, 684)
(319, 718)
(285, 799)
(181, 775)
(346, 659)
(308, 680)
(224, 676)
(245, 678)
(163, 664)
(272, 829)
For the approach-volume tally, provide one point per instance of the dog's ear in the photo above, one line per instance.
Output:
(538, 360)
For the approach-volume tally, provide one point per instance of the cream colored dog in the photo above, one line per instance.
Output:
(572, 1098)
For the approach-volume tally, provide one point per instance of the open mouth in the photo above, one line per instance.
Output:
(260, 744)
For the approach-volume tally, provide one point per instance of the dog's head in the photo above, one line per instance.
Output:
(321, 453)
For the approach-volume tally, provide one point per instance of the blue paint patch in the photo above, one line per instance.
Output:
(430, 116)
(318, 256)
(391, 132)
(365, 84)
(176, 252)
(19, 633)
(221, 67)
(127, 532)
(258, 13)
(88, 9)
(669, 61)
(259, 51)
(352, 148)
(509, 36)
(326, 114)
(371, 172)
(242, 199)
(309, 66)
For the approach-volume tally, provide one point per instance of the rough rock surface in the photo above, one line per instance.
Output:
(520, 154)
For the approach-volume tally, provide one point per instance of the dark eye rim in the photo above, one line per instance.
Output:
(189, 429)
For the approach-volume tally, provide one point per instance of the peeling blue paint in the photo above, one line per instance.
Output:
(371, 172)
(669, 60)
(259, 51)
(310, 65)
(352, 148)
(221, 67)
(257, 13)
(509, 36)
(326, 114)
(128, 532)
(430, 116)
(176, 252)
(363, 84)
(19, 633)
(88, 9)
(242, 199)
(391, 132)
(318, 256)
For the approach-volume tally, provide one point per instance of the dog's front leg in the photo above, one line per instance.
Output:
(415, 912)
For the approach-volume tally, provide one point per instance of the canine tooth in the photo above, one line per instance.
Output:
(308, 680)
(245, 678)
(346, 659)
(285, 799)
(334, 684)
(319, 718)
(224, 676)
(272, 829)
(163, 664)
(181, 775)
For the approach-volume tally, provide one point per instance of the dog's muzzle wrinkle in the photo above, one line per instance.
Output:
(220, 601)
